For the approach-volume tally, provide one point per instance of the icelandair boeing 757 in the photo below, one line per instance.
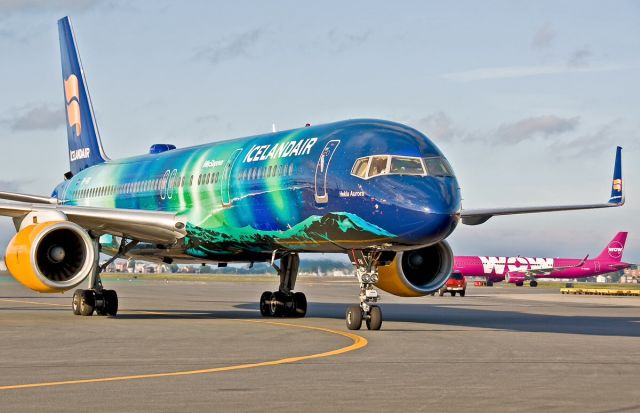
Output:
(517, 270)
(379, 191)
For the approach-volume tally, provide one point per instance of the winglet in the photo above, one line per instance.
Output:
(617, 195)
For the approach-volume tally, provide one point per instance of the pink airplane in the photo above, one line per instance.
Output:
(519, 269)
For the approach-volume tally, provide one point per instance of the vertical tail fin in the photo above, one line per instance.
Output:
(614, 250)
(85, 147)
(617, 196)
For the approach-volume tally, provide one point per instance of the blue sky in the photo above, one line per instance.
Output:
(527, 99)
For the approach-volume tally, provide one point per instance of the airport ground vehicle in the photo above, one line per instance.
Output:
(456, 284)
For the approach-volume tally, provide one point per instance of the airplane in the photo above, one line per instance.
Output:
(379, 191)
(517, 270)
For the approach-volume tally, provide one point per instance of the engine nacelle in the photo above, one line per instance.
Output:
(514, 278)
(50, 257)
(417, 272)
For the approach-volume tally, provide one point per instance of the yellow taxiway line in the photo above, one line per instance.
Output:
(358, 342)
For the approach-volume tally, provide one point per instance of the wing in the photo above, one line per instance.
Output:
(480, 216)
(149, 226)
(36, 199)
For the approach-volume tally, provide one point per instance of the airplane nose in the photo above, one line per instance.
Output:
(434, 214)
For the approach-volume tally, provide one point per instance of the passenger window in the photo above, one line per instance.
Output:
(269, 171)
(378, 166)
(406, 166)
(360, 167)
(290, 169)
(259, 173)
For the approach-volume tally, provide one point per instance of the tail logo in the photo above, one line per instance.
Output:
(615, 249)
(72, 95)
(617, 185)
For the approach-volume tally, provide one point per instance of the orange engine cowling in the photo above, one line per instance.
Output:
(51, 256)
(417, 272)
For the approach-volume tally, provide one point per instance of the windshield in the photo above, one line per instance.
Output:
(406, 166)
(378, 165)
(437, 167)
(456, 276)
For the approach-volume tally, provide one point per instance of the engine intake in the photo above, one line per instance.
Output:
(417, 272)
(51, 256)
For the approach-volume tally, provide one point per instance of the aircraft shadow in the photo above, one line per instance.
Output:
(443, 316)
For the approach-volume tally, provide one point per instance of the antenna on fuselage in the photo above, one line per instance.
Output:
(273, 127)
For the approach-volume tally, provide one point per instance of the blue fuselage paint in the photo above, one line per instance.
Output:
(287, 190)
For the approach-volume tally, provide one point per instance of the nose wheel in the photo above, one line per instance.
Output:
(367, 310)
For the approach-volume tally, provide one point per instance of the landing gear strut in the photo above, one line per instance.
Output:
(97, 298)
(367, 273)
(284, 302)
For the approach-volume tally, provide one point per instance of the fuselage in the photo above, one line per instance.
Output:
(497, 268)
(295, 190)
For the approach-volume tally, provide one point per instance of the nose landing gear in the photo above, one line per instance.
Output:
(367, 272)
(284, 302)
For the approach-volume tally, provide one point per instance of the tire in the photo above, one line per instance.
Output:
(277, 305)
(110, 298)
(299, 305)
(265, 300)
(353, 317)
(489, 283)
(87, 303)
(453, 293)
(75, 301)
(519, 284)
(374, 322)
(462, 293)
(533, 283)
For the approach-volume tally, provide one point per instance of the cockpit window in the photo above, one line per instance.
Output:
(378, 165)
(360, 167)
(406, 166)
(437, 167)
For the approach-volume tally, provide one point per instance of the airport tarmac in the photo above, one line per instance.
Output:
(202, 346)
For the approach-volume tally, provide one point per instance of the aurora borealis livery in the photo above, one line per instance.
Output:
(242, 202)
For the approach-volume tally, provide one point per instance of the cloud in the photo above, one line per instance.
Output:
(230, 48)
(12, 186)
(440, 127)
(41, 117)
(20, 6)
(545, 127)
(580, 57)
(510, 72)
(543, 37)
(340, 41)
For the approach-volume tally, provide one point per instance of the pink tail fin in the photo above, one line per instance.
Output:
(613, 251)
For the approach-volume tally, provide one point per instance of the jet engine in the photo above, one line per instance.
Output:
(514, 278)
(417, 272)
(51, 256)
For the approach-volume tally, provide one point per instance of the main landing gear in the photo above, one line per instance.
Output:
(367, 311)
(284, 302)
(98, 299)
(533, 283)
